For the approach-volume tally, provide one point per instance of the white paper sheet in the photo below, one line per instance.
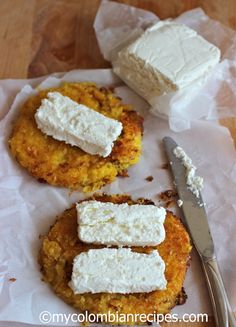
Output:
(28, 208)
(116, 24)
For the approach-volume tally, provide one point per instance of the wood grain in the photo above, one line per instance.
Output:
(16, 22)
(38, 37)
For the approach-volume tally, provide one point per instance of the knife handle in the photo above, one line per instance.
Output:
(223, 314)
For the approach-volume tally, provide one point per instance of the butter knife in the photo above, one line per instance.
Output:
(195, 219)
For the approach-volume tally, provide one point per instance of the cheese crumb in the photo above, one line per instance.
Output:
(195, 183)
(180, 203)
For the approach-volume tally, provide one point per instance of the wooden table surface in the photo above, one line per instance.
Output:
(38, 37)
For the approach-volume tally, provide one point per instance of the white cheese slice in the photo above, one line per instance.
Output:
(167, 57)
(120, 224)
(117, 271)
(66, 120)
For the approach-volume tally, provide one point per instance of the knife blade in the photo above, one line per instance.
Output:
(193, 207)
(195, 219)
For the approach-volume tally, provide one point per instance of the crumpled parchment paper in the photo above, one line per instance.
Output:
(28, 208)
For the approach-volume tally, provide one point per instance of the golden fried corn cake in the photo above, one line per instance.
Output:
(62, 244)
(61, 164)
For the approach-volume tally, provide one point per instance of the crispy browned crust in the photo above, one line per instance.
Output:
(63, 165)
(61, 245)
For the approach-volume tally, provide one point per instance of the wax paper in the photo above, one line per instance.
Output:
(117, 25)
(28, 208)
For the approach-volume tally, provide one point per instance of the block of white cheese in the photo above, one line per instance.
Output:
(66, 120)
(167, 57)
(120, 224)
(117, 271)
